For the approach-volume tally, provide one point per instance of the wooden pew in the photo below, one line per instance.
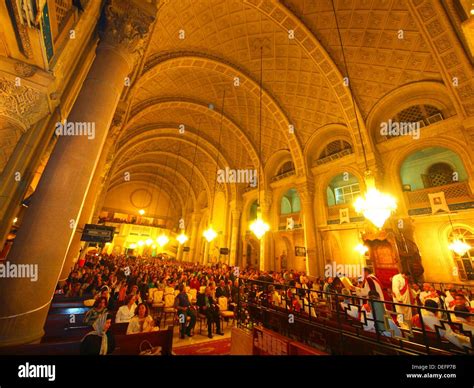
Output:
(130, 344)
(124, 345)
(44, 349)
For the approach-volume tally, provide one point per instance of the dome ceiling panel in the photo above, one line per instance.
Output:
(378, 61)
(204, 160)
(241, 106)
(205, 126)
(234, 32)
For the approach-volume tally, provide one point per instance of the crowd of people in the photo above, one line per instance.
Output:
(120, 289)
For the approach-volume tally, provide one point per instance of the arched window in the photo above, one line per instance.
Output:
(464, 263)
(419, 115)
(290, 202)
(432, 167)
(287, 169)
(439, 174)
(342, 189)
(253, 211)
(334, 150)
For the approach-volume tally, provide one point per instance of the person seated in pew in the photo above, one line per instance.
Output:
(99, 308)
(126, 312)
(461, 315)
(100, 341)
(429, 316)
(142, 322)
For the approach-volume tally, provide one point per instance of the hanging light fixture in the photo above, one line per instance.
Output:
(162, 240)
(210, 234)
(141, 212)
(457, 245)
(133, 246)
(361, 249)
(376, 206)
(259, 227)
(182, 238)
(141, 243)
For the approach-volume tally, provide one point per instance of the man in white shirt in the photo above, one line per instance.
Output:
(126, 312)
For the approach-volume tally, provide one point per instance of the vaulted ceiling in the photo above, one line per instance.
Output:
(201, 48)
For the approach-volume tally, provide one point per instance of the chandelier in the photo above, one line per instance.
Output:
(361, 248)
(182, 238)
(210, 234)
(375, 205)
(162, 240)
(459, 247)
(259, 227)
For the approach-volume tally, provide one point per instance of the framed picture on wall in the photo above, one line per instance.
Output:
(300, 251)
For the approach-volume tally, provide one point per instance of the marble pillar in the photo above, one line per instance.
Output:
(50, 223)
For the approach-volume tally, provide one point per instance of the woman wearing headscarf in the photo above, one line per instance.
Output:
(100, 341)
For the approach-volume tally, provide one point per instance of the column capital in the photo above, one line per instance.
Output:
(305, 190)
(266, 199)
(126, 26)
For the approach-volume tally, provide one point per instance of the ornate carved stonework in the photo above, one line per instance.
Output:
(24, 70)
(22, 103)
(127, 25)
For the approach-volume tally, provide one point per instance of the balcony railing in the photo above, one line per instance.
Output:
(296, 218)
(454, 193)
(333, 211)
(330, 158)
(282, 176)
(343, 325)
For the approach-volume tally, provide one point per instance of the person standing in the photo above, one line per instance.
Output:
(402, 293)
(370, 283)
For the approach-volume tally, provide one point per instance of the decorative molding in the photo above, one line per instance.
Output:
(24, 70)
(22, 103)
(127, 25)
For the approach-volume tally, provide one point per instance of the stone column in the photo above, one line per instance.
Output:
(266, 240)
(87, 209)
(195, 219)
(306, 192)
(50, 223)
(234, 244)
(179, 255)
(205, 259)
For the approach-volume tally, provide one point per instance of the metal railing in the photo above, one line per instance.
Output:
(347, 324)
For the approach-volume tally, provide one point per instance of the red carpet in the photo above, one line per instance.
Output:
(219, 347)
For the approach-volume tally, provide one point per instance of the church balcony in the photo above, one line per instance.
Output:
(458, 197)
(297, 219)
(282, 176)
